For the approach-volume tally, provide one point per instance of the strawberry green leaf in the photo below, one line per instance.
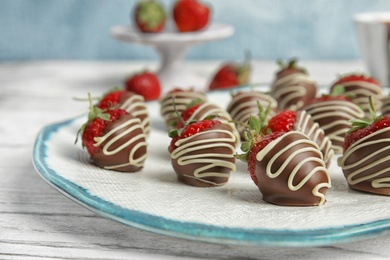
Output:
(173, 133)
(254, 124)
(194, 102)
(245, 146)
(248, 135)
(362, 123)
(280, 63)
(104, 116)
(242, 157)
(94, 112)
(338, 90)
(211, 117)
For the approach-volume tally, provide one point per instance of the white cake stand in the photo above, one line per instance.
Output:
(172, 47)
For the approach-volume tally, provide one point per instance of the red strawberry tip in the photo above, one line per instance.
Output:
(363, 127)
(355, 76)
(94, 112)
(191, 128)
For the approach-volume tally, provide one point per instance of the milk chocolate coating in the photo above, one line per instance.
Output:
(210, 109)
(334, 117)
(276, 190)
(293, 89)
(123, 160)
(366, 163)
(245, 103)
(137, 107)
(181, 99)
(305, 124)
(385, 108)
(360, 91)
(222, 167)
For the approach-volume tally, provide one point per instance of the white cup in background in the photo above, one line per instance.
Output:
(373, 39)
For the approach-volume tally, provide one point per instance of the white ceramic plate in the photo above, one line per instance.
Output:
(213, 32)
(154, 200)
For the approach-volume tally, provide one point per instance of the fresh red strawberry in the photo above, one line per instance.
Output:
(98, 120)
(231, 75)
(355, 77)
(186, 114)
(150, 16)
(191, 129)
(146, 84)
(259, 145)
(190, 15)
(110, 99)
(283, 121)
(291, 120)
(363, 127)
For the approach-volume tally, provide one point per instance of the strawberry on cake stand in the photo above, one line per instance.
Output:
(172, 47)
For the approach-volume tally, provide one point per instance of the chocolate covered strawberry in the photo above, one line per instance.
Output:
(333, 113)
(287, 167)
(243, 104)
(146, 84)
(149, 16)
(290, 120)
(133, 103)
(366, 158)
(359, 87)
(231, 74)
(202, 153)
(188, 113)
(292, 87)
(176, 101)
(385, 108)
(199, 110)
(114, 139)
(190, 15)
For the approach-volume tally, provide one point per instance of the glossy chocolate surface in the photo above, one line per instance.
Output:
(123, 146)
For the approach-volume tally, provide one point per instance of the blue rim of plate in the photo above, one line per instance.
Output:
(190, 230)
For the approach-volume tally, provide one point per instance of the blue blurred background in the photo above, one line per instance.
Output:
(271, 29)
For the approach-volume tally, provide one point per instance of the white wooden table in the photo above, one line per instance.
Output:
(37, 222)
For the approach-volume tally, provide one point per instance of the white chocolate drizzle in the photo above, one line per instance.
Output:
(336, 129)
(181, 100)
(359, 172)
(385, 109)
(208, 109)
(315, 133)
(136, 106)
(139, 141)
(312, 147)
(361, 91)
(244, 104)
(188, 145)
(287, 88)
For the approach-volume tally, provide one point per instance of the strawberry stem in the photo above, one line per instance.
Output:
(253, 131)
(177, 112)
(362, 123)
(94, 112)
